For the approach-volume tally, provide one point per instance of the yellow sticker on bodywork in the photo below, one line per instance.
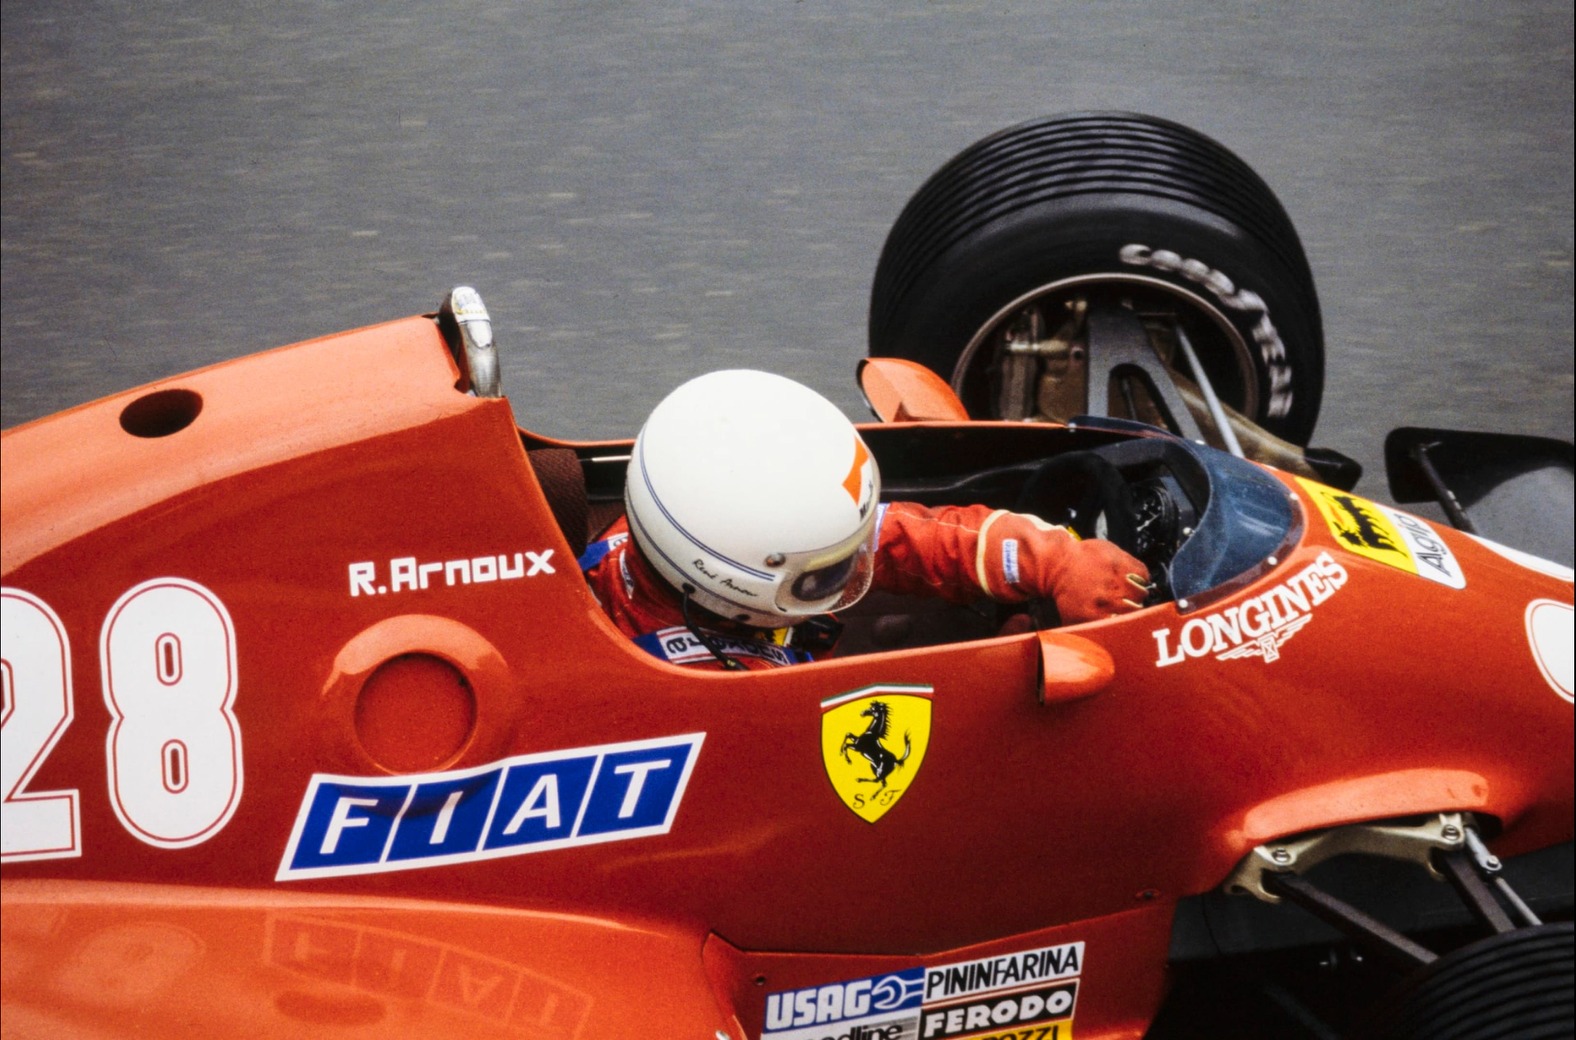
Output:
(873, 741)
(1360, 526)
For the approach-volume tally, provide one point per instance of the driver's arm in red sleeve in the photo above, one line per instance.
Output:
(959, 553)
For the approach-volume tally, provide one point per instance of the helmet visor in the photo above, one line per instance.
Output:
(831, 584)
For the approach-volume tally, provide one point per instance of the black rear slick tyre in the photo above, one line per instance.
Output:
(1519, 985)
(1132, 204)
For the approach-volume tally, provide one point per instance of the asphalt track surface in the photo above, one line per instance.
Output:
(646, 192)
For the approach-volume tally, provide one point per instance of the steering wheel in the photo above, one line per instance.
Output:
(1086, 492)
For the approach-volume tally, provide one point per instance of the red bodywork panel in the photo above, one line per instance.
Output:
(268, 674)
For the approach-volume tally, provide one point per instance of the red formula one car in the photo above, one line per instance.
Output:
(312, 726)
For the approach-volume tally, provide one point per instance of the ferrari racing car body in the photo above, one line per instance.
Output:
(312, 721)
(312, 725)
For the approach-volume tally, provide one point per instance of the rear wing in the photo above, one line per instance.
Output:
(1514, 489)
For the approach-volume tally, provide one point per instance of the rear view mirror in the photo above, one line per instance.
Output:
(906, 391)
(1072, 667)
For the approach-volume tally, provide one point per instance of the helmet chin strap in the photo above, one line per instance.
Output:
(710, 644)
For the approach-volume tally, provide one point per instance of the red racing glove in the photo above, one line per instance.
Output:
(1021, 557)
(958, 552)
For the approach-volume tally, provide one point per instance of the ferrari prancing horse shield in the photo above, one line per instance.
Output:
(873, 741)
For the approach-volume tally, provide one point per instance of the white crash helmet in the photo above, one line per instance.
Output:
(756, 497)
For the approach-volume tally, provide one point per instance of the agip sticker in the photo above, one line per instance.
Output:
(873, 741)
(1386, 535)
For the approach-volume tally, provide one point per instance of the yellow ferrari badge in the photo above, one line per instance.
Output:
(873, 742)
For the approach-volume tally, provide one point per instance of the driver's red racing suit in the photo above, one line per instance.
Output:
(956, 553)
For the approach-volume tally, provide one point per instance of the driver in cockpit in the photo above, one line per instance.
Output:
(752, 513)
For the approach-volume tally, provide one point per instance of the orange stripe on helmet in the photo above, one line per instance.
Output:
(854, 482)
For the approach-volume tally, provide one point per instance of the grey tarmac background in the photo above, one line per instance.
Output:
(644, 192)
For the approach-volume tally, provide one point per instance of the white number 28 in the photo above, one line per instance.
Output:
(173, 750)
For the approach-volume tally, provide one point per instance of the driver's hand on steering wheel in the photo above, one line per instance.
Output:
(1021, 557)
